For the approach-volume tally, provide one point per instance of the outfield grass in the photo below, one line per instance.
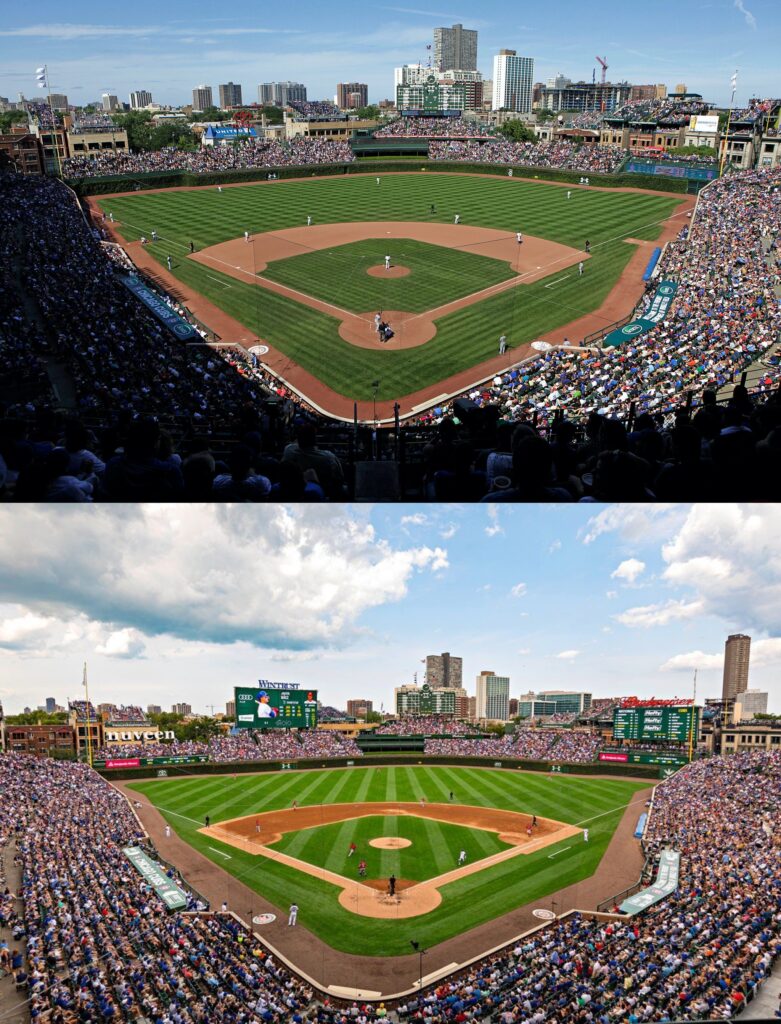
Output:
(437, 275)
(435, 846)
(597, 803)
(464, 338)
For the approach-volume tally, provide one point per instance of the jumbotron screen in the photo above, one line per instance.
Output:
(664, 723)
(268, 708)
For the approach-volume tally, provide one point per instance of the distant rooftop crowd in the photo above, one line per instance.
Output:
(559, 154)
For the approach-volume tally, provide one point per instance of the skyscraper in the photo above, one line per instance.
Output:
(109, 102)
(202, 98)
(230, 95)
(513, 82)
(351, 95)
(455, 47)
(493, 696)
(139, 99)
(737, 653)
(279, 94)
(444, 670)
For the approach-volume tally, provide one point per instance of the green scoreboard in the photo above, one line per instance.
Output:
(663, 723)
(267, 707)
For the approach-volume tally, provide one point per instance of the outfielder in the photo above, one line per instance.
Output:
(462, 857)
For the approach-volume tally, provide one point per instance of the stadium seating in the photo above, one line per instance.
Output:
(272, 745)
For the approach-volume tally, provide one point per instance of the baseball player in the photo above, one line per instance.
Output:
(580, 269)
(246, 236)
(519, 237)
(111, 217)
(569, 193)
(377, 320)
(528, 830)
(168, 262)
(292, 916)
(154, 236)
(585, 835)
(225, 906)
(192, 248)
(352, 849)
(219, 188)
(502, 344)
(167, 831)
(362, 863)
(257, 827)
(387, 262)
(309, 220)
(457, 219)
(462, 857)
(378, 181)
(295, 805)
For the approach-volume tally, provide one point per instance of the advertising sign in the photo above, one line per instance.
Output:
(168, 891)
(665, 884)
(677, 724)
(175, 323)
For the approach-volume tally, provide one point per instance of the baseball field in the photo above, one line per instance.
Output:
(288, 835)
(310, 292)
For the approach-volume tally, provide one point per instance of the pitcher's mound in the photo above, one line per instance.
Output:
(390, 843)
(394, 271)
(381, 884)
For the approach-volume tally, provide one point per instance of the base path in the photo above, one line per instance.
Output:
(254, 833)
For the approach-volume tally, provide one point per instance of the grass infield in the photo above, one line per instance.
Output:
(594, 803)
(464, 338)
(437, 275)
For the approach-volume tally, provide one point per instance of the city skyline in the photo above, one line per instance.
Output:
(135, 48)
(615, 601)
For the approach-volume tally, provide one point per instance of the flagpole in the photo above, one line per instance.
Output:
(89, 721)
(693, 717)
(729, 119)
(42, 76)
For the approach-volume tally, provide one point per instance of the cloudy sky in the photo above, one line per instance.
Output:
(168, 49)
(181, 603)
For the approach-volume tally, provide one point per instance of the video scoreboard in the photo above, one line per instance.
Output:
(267, 707)
(672, 724)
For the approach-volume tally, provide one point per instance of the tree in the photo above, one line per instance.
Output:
(166, 720)
(545, 115)
(706, 151)
(38, 718)
(373, 716)
(200, 729)
(213, 114)
(172, 133)
(138, 125)
(370, 113)
(517, 131)
(9, 118)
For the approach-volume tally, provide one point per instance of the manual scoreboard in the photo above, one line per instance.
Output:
(260, 707)
(673, 724)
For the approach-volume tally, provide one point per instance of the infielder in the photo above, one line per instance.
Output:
(502, 344)
(309, 220)
(519, 237)
(457, 219)
(246, 236)
(292, 914)
(580, 269)
(167, 831)
(168, 262)
(585, 835)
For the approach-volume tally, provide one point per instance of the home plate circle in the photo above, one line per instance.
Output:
(259, 350)
(390, 843)
(544, 915)
(264, 918)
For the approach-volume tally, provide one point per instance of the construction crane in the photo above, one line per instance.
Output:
(603, 62)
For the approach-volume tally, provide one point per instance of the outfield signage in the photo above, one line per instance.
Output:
(630, 757)
(168, 891)
(263, 707)
(665, 885)
(665, 170)
(144, 762)
(176, 324)
(679, 725)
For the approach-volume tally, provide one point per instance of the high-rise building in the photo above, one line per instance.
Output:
(513, 707)
(279, 94)
(493, 696)
(139, 99)
(230, 95)
(230, 709)
(444, 670)
(154, 709)
(471, 708)
(51, 705)
(455, 47)
(351, 95)
(737, 653)
(110, 103)
(60, 102)
(513, 82)
(182, 709)
(359, 708)
(410, 74)
(680, 89)
(202, 98)
(749, 704)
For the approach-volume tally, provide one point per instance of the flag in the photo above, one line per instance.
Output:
(734, 80)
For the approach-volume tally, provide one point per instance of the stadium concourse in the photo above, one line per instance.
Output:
(99, 402)
(89, 940)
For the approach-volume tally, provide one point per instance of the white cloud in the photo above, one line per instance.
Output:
(763, 653)
(292, 578)
(416, 519)
(567, 655)
(518, 590)
(523, 650)
(659, 614)
(494, 526)
(751, 21)
(628, 570)
(634, 522)
(123, 643)
(554, 546)
(610, 594)
(449, 531)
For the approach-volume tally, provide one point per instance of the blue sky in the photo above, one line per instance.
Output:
(182, 603)
(92, 47)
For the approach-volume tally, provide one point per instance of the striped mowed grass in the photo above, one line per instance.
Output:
(464, 338)
(594, 803)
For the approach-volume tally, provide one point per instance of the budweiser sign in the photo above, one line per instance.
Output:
(635, 702)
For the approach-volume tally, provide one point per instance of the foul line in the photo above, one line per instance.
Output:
(227, 856)
(550, 855)
(558, 279)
